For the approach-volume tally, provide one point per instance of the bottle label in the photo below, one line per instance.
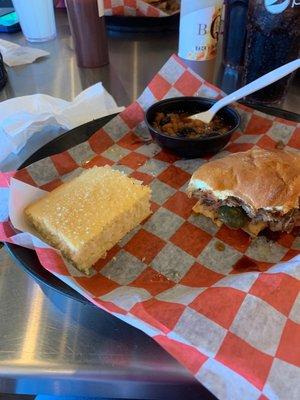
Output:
(100, 8)
(274, 8)
(199, 33)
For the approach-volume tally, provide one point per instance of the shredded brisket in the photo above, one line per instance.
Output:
(275, 219)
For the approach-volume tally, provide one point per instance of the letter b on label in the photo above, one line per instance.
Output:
(202, 29)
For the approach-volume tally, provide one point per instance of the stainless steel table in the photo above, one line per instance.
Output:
(49, 343)
(52, 344)
(132, 65)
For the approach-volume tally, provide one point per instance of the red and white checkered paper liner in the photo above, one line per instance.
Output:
(231, 317)
(133, 8)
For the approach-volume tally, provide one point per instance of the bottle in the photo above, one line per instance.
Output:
(88, 31)
(272, 40)
(198, 35)
(234, 42)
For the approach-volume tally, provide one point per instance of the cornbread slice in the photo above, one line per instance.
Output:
(87, 216)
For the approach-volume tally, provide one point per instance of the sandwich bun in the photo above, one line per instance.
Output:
(262, 179)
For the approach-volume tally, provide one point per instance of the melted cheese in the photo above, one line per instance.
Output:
(253, 228)
(202, 209)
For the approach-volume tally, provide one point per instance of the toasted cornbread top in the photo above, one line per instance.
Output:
(78, 210)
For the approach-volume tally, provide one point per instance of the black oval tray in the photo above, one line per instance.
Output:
(120, 24)
(27, 258)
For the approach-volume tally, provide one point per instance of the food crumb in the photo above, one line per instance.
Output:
(280, 145)
(220, 246)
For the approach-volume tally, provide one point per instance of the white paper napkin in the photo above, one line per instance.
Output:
(14, 55)
(35, 120)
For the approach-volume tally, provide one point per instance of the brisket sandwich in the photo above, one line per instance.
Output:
(252, 190)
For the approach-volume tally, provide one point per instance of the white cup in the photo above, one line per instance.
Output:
(36, 19)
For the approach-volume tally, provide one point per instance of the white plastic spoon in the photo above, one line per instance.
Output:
(259, 83)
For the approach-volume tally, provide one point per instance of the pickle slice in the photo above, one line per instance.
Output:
(234, 217)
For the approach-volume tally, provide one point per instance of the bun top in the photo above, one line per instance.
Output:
(268, 179)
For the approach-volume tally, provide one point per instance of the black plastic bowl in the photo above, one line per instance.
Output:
(195, 147)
